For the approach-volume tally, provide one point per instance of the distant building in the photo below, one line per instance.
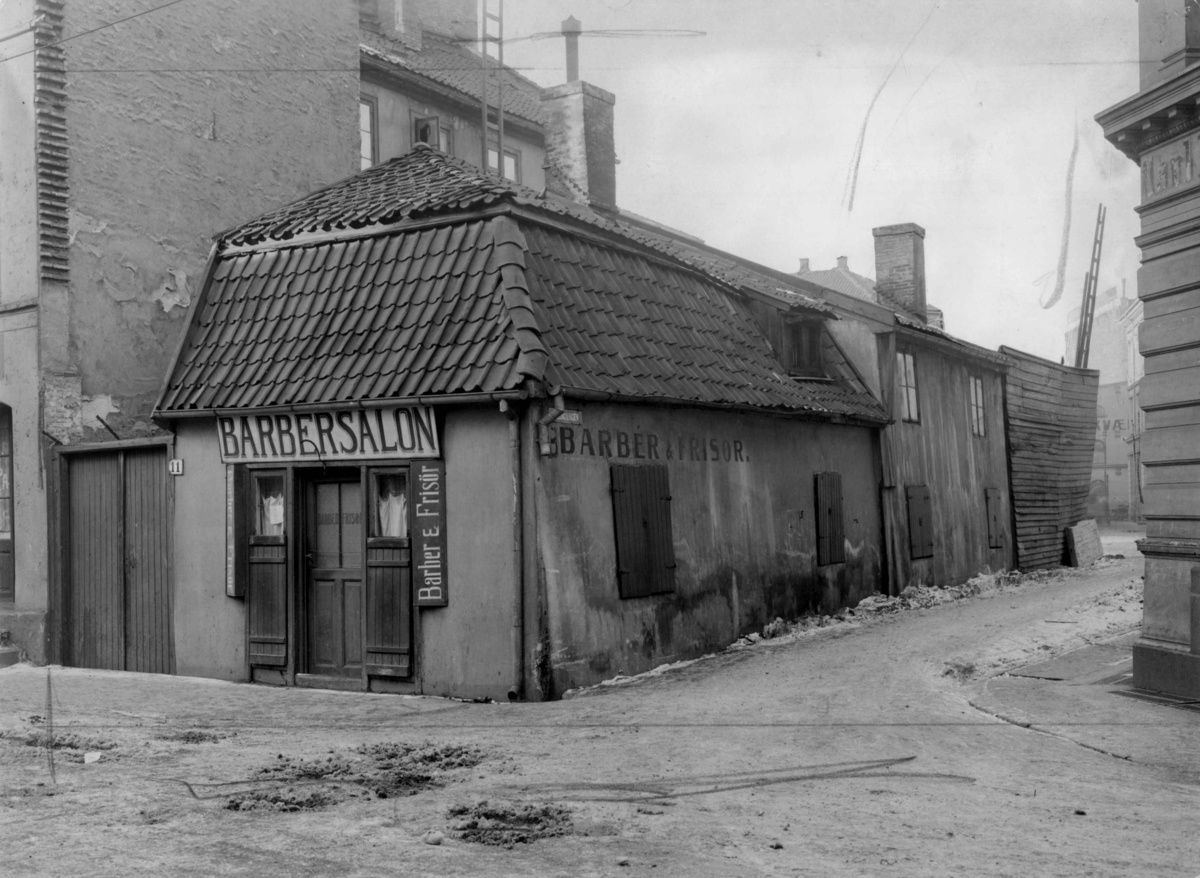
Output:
(1112, 488)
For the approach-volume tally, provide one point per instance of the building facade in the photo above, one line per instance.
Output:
(1157, 128)
(482, 442)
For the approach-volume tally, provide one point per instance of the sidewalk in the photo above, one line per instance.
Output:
(1086, 696)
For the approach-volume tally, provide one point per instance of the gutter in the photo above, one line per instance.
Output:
(429, 399)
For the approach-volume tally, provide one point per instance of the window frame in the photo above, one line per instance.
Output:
(515, 154)
(644, 567)
(978, 412)
(910, 394)
(371, 105)
(804, 342)
(445, 132)
(373, 540)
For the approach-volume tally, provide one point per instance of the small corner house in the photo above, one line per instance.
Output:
(439, 433)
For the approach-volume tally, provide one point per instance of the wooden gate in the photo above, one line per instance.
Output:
(116, 603)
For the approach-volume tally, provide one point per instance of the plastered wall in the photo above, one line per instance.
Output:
(744, 531)
(216, 133)
(210, 628)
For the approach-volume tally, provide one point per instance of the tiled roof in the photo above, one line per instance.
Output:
(399, 316)
(457, 67)
(622, 323)
(476, 306)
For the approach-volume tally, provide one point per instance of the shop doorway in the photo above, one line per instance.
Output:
(334, 576)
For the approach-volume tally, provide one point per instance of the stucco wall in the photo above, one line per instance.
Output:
(161, 161)
(210, 628)
(395, 115)
(941, 453)
(744, 534)
(468, 648)
(18, 181)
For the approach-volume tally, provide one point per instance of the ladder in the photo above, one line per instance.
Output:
(1087, 311)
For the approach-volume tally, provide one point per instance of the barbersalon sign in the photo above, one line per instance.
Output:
(328, 436)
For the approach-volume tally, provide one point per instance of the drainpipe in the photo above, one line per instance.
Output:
(517, 691)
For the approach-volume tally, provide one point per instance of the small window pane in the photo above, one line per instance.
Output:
(366, 130)
(389, 516)
(268, 506)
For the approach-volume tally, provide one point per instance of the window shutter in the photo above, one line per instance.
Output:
(642, 528)
(831, 536)
(920, 521)
(995, 530)
(237, 508)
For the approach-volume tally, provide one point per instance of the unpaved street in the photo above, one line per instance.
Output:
(890, 746)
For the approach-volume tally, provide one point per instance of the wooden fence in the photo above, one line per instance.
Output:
(1050, 415)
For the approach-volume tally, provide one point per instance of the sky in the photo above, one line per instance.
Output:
(747, 136)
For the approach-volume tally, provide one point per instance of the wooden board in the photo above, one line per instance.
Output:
(1083, 543)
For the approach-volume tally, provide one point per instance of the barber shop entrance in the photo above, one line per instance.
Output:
(328, 571)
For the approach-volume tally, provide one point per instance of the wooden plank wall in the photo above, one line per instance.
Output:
(1050, 410)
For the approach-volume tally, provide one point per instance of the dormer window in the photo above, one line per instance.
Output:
(804, 349)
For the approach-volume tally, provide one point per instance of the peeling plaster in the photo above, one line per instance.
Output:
(81, 222)
(96, 407)
(174, 293)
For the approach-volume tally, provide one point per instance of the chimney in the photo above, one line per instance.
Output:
(900, 265)
(570, 32)
(844, 263)
(581, 157)
(804, 269)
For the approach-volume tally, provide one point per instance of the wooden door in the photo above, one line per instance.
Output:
(334, 598)
(117, 603)
(389, 575)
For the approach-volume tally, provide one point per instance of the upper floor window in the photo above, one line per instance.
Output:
(910, 407)
(804, 348)
(978, 425)
(512, 163)
(434, 131)
(367, 127)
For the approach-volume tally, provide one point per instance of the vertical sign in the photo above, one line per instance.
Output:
(429, 533)
(235, 531)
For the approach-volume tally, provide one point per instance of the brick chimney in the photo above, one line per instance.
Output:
(804, 269)
(581, 156)
(900, 265)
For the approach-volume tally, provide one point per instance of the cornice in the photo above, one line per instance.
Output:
(1152, 117)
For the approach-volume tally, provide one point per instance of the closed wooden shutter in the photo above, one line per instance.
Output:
(642, 527)
(831, 536)
(920, 521)
(995, 528)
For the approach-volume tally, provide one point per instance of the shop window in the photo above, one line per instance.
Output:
(642, 524)
(910, 408)
(831, 538)
(804, 349)
(435, 132)
(920, 522)
(389, 504)
(368, 133)
(8, 591)
(268, 505)
(978, 425)
(995, 524)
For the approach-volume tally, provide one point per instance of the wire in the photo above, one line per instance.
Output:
(93, 30)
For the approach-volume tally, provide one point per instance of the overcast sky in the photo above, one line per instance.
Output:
(747, 136)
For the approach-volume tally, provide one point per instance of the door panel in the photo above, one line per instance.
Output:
(334, 605)
(117, 603)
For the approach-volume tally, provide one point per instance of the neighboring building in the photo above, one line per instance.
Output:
(860, 286)
(562, 451)
(1109, 353)
(1158, 128)
(119, 165)
(1131, 317)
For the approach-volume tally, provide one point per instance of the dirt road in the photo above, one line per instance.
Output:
(871, 747)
